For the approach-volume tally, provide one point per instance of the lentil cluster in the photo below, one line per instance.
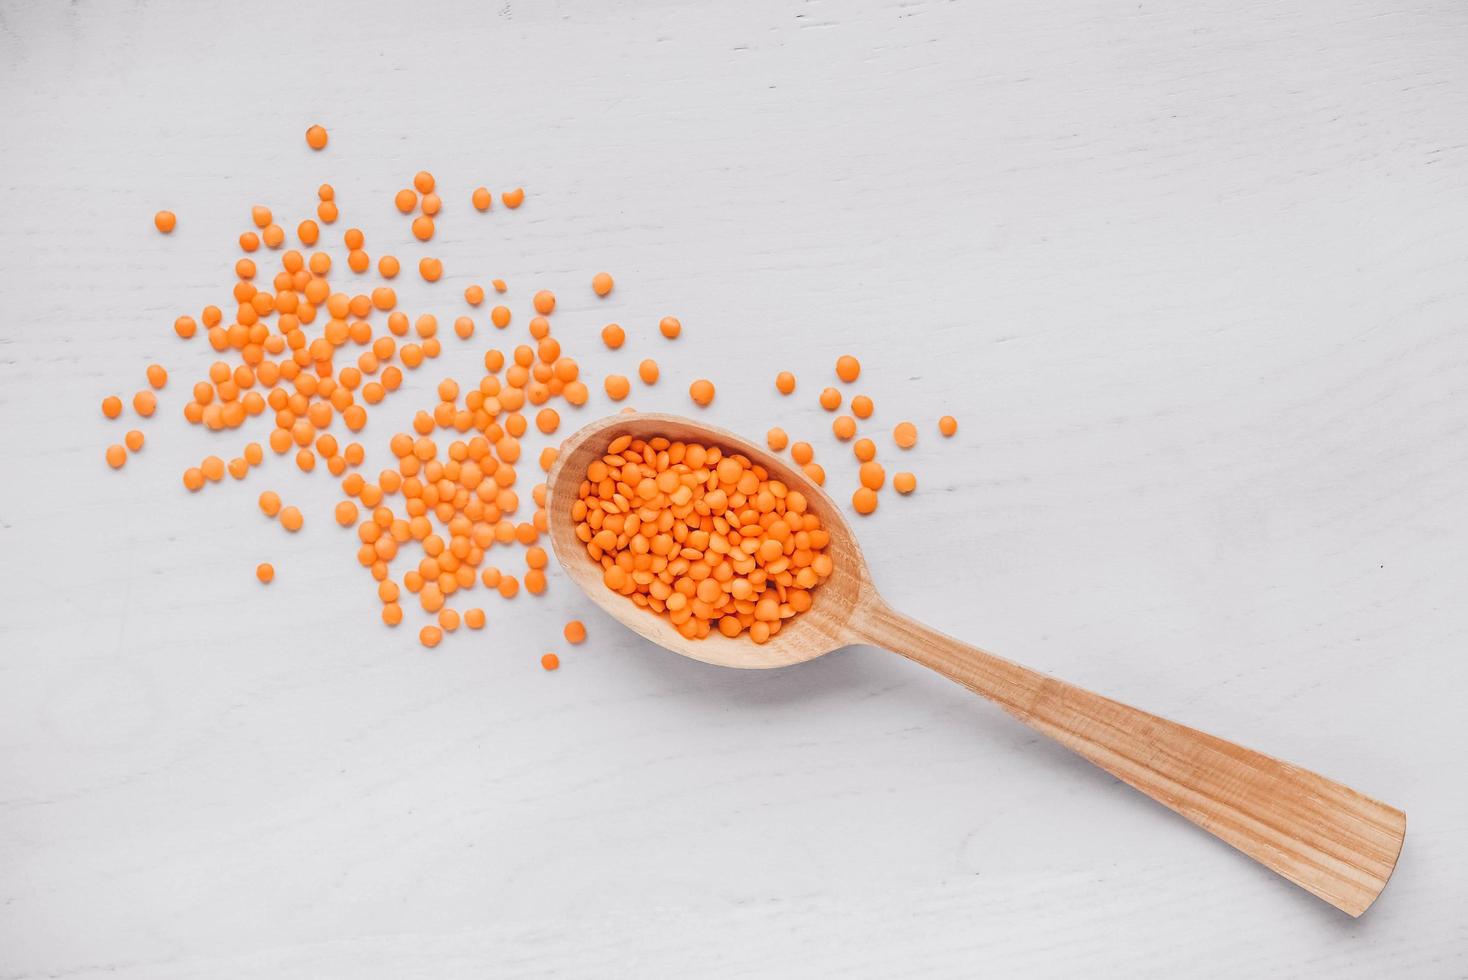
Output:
(704, 538)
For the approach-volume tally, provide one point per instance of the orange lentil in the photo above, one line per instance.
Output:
(474, 295)
(482, 199)
(830, 399)
(550, 661)
(864, 500)
(500, 316)
(816, 472)
(423, 180)
(430, 636)
(872, 475)
(308, 232)
(165, 221)
(193, 478)
(392, 613)
(784, 382)
(848, 368)
(346, 513)
(861, 407)
(844, 426)
(948, 425)
(802, 453)
(576, 393)
(499, 285)
(326, 211)
(326, 192)
(513, 199)
(423, 228)
(575, 632)
(237, 467)
(260, 215)
(464, 327)
(648, 371)
(406, 200)
(112, 406)
(213, 468)
(670, 327)
(617, 387)
(430, 269)
(864, 450)
(316, 137)
(291, 519)
(544, 302)
(185, 327)
(270, 503)
(431, 204)
(474, 618)
(776, 439)
(905, 435)
(358, 260)
(702, 392)
(448, 619)
(904, 483)
(613, 336)
(388, 266)
(508, 586)
(273, 235)
(547, 420)
(116, 456)
(265, 572)
(601, 283)
(133, 440)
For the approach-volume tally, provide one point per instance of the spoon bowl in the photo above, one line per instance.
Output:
(825, 627)
(1336, 843)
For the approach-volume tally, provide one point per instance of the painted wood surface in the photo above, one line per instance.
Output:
(1190, 276)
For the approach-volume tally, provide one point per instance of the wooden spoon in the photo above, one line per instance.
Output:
(1325, 837)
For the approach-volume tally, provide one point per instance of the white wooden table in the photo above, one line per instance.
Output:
(1193, 277)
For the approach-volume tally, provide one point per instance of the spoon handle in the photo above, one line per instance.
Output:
(1327, 838)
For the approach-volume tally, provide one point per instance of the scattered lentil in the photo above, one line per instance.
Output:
(702, 392)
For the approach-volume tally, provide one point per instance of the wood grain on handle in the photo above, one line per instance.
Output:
(1325, 837)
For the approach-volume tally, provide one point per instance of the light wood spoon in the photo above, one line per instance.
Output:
(1325, 837)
